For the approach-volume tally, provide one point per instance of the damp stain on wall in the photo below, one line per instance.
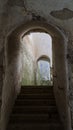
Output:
(63, 14)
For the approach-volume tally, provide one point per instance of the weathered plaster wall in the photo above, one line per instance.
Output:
(28, 60)
(11, 86)
(13, 13)
(42, 43)
(34, 46)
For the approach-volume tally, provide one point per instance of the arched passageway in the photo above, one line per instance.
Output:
(14, 69)
(37, 59)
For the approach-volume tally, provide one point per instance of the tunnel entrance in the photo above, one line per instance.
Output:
(37, 59)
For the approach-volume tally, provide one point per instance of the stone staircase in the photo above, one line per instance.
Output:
(35, 109)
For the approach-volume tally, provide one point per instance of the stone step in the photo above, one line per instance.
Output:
(35, 96)
(37, 93)
(36, 89)
(42, 102)
(36, 126)
(35, 109)
(33, 118)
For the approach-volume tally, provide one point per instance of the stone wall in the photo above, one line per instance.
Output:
(14, 13)
(28, 60)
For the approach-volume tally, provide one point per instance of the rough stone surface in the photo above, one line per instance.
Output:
(62, 14)
(58, 12)
(16, 3)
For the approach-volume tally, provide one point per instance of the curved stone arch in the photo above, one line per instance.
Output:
(44, 57)
(16, 36)
(13, 59)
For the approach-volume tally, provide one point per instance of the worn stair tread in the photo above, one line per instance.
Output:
(35, 96)
(35, 89)
(32, 115)
(35, 102)
(23, 115)
(33, 118)
(35, 109)
(41, 126)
